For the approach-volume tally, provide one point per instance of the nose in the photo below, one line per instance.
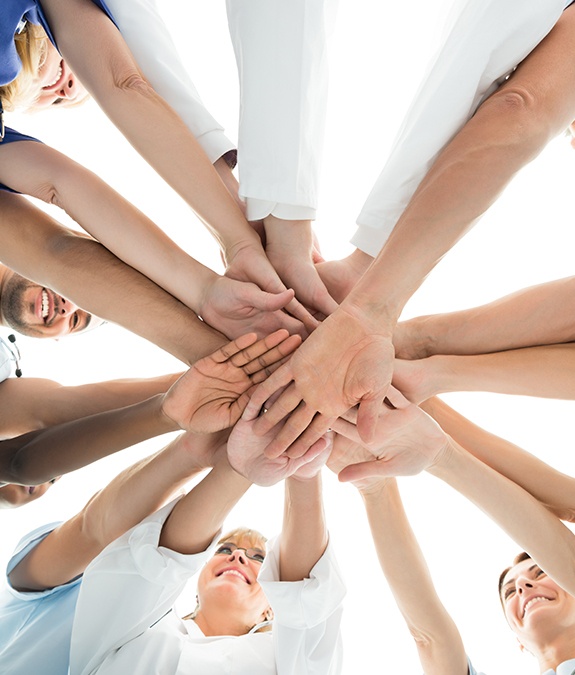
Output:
(70, 89)
(523, 583)
(66, 307)
(239, 556)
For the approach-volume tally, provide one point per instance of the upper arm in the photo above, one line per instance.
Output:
(57, 559)
(24, 404)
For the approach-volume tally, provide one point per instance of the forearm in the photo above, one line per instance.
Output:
(438, 641)
(39, 456)
(551, 487)
(206, 507)
(533, 528)
(304, 532)
(506, 132)
(546, 372)
(89, 275)
(538, 315)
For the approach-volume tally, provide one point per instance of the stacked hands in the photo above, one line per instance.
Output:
(248, 395)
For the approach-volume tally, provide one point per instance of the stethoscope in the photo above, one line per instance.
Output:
(12, 349)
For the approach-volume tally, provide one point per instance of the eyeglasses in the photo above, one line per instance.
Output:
(252, 553)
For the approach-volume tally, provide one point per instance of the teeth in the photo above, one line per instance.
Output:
(235, 573)
(532, 602)
(45, 304)
(58, 76)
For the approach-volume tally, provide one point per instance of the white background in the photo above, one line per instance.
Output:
(379, 53)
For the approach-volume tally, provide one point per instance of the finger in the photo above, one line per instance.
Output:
(396, 398)
(286, 403)
(234, 347)
(318, 427)
(281, 378)
(297, 310)
(321, 446)
(262, 375)
(272, 356)
(355, 472)
(350, 415)
(367, 417)
(268, 302)
(256, 348)
(295, 424)
(346, 429)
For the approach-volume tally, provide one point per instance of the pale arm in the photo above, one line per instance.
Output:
(130, 497)
(82, 270)
(438, 641)
(546, 371)
(551, 487)
(304, 532)
(538, 315)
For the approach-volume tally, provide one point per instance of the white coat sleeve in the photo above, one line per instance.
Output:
(130, 586)
(484, 41)
(307, 616)
(150, 42)
(281, 52)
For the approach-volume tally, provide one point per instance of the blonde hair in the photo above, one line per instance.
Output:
(31, 45)
(256, 540)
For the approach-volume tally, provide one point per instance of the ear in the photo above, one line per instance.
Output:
(269, 614)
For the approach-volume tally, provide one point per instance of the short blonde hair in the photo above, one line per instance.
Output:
(31, 46)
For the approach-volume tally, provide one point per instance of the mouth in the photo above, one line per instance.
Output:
(58, 79)
(236, 573)
(533, 601)
(46, 306)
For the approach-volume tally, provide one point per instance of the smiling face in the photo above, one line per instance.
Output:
(13, 496)
(36, 311)
(228, 586)
(57, 83)
(538, 610)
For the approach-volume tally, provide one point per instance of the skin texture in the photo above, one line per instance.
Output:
(508, 130)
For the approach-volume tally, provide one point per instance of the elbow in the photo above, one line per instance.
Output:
(527, 124)
(132, 82)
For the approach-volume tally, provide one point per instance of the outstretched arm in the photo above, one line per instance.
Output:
(38, 170)
(208, 398)
(84, 271)
(538, 315)
(551, 487)
(31, 403)
(131, 496)
(546, 371)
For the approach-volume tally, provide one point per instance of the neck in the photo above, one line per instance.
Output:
(552, 654)
(221, 623)
(3, 273)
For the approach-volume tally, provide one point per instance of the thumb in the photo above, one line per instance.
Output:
(265, 301)
(363, 470)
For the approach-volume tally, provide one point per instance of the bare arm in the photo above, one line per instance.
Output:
(538, 315)
(546, 371)
(304, 532)
(31, 403)
(85, 272)
(134, 494)
(549, 486)
(438, 641)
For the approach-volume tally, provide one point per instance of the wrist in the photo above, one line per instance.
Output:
(373, 488)
(445, 460)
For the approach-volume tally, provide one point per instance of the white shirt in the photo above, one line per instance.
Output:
(565, 668)
(484, 41)
(151, 44)
(124, 623)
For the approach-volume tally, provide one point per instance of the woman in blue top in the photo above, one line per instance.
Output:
(94, 49)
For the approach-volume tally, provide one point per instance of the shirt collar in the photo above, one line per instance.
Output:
(565, 668)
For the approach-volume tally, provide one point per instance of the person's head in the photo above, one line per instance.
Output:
(12, 496)
(37, 311)
(539, 611)
(230, 597)
(44, 79)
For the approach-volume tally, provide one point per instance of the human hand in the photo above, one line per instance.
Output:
(340, 276)
(246, 454)
(407, 441)
(290, 249)
(235, 307)
(342, 363)
(203, 451)
(214, 392)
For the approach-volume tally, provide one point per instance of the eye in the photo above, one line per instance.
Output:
(508, 593)
(258, 557)
(224, 550)
(539, 573)
(57, 101)
(75, 321)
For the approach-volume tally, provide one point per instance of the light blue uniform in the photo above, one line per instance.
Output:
(42, 620)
